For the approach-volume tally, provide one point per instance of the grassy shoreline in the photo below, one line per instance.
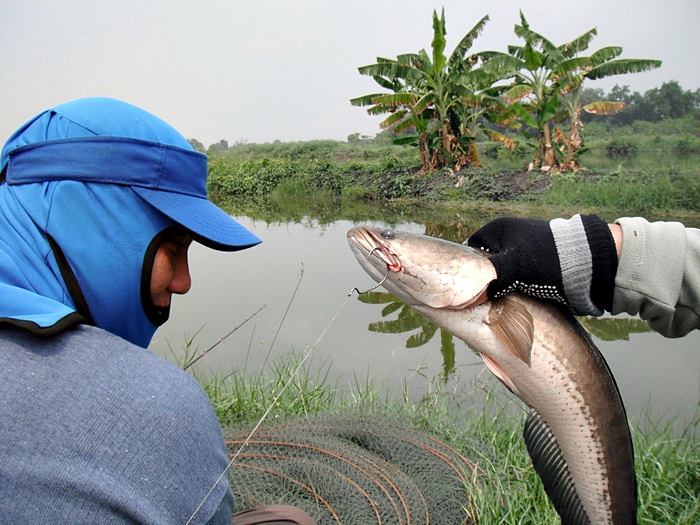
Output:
(654, 175)
(506, 490)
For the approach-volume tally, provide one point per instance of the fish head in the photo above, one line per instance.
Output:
(422, 270)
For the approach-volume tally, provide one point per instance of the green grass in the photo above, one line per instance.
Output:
(505, 489)
(643, 192)
(244, 395)
(647, 169)
(668, 473)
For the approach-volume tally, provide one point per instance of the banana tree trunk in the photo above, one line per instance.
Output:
(446, 138)
(474, 155)
(548, 159)
(431, 158)
(574, 142)
(422, 149)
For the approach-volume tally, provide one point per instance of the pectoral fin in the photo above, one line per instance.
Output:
(512, 324)
(550, 465)
(496, 370)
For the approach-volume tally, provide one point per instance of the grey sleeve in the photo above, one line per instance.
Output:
(658, 275)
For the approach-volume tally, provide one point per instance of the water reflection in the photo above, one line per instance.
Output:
(409, 320)
(373, 337)
(609, 329)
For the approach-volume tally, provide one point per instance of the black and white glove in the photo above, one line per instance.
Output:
(572, 261)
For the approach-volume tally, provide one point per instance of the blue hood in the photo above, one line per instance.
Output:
(89, 185)
(102, 230)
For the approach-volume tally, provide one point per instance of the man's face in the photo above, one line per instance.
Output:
(171, 272)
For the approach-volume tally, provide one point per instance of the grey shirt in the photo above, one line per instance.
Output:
(96, 430)
(658, 275)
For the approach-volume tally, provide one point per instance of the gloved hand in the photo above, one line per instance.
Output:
(572, 261)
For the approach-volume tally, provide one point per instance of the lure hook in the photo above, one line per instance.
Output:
(376, 285)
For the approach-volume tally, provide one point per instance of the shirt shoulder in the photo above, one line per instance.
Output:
(115, 425)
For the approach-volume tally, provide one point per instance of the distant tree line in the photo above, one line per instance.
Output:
(669, 101)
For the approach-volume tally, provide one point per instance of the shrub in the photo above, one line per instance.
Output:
(620, 149)
(326, 176)
(294, 187)
(490, 150)
(251, 177)
(686, 146)
(354, 193)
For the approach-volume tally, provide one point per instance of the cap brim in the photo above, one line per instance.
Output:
(212, 226)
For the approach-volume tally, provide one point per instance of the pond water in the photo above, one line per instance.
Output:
(655, 375)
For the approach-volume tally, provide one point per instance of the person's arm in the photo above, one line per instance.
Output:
(658, 276)
(572, 261)
(616, 232)
(646, 269)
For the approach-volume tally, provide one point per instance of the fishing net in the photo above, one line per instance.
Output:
(353, 469)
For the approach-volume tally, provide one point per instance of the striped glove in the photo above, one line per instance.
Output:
(572, 261)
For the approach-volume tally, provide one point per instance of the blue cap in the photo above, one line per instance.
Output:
(102, 140)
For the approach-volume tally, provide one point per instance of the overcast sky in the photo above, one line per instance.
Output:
(261, 70)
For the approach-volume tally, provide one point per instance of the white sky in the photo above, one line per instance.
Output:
(261, 70)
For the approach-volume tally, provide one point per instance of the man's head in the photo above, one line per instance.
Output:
(108, 184)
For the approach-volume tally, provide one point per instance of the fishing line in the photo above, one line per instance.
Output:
(284, 387)
(284, 317)
(205, 352)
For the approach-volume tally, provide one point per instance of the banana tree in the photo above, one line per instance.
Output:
(476, 108)
(546, 85)
(571, 74)
(396, 76)
(533, 92)
(428, 94)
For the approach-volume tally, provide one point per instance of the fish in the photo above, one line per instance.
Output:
(576, 432)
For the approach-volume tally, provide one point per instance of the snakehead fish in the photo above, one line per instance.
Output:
(576, 432)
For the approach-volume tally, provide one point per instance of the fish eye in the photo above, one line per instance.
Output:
(388, 233)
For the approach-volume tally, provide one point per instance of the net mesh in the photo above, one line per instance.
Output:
(352, 469)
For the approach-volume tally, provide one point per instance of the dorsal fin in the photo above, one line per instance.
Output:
(512, 324)
(551, 466)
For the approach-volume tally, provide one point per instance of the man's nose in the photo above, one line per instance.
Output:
(182, 282)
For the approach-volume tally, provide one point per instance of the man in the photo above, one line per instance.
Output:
(99, 202)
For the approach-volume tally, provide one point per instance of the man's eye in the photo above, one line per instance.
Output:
(172, 247)
(181, 241)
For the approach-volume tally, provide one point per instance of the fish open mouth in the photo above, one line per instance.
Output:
(375, 246)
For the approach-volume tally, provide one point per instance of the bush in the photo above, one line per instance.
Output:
(326, 176)
(686, 146)
(620, 149)
(252, 177)
(355, 193)
(295, 187)
(490, 150)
